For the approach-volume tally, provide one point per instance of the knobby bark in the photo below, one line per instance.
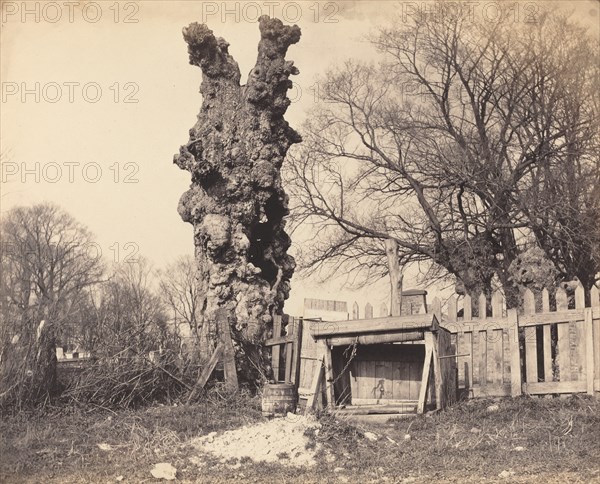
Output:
(236, 201)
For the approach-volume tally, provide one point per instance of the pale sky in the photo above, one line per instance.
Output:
(100, 55)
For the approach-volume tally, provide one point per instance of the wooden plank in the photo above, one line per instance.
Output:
(297, 350)
(484, 346)
(369, 339)
(595, 297)
(559, 316)
(432, 339)
(315, 387)
(482, 306)
(447, 367)
(498, 359)
(564, 363)
(452, 305)
(491, 390)
(548, 373)
(279, 341)
(402, 384)
(476, 325)
(366, 408)
(383, 380)
(228, 357)
(515, 356)
(391, 323)
(483, 341)
(531, 367)
(289, 353)
(546, 388)
(476, 343)
(207, 371)
(496, 334)
(415, 375)
(362, 387)
(506, 356)
(276, 350)
(468, 361)
(589, 351)
(463, 344)
(328, 364)
(578, 366)
(425, 379)
(467, 308)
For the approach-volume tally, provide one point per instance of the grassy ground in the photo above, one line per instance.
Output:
(531, 440)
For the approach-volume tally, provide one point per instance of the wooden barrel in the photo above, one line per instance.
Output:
(278, 399)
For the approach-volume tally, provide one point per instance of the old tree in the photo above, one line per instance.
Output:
(236, 202)
(472, 146)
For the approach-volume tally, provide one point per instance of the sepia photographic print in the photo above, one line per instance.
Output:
(300, 241)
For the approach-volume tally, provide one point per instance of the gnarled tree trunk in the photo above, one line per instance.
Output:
(236, 202)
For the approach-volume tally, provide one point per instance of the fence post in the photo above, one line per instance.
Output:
(589, 349)
(548, 372)
(515, 354)
(275, 350)
(483, 341)
(564, 359)
(531, 369)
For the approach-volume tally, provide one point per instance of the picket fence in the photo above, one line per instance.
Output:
(533, 350)
(549, 345)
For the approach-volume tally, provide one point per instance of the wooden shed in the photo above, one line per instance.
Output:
(391, 365)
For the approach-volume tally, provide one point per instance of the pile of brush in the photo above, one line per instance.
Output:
(130, 380)
(28, 369)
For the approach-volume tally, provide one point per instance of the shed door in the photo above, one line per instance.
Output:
(387, 376)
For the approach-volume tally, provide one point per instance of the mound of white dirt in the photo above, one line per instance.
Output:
(280, 440)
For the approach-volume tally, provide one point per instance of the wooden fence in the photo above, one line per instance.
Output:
(533, 350)
(550, 345)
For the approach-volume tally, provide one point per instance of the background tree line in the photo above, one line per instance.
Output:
(51, 271)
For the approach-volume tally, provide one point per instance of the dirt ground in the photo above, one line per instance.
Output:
(523, 440)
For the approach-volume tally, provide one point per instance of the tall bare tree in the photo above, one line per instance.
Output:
(48, 260)
(185, 298)
(438, 147)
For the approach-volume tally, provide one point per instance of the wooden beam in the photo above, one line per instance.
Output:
(328, 363)
(315, 387)
(548, 372)
(531, 364)
(425, 378)
(515, 354)
(375, 325)
(297, 349)
(369, 339)
(589, 350)
(279, 341)
(431, 339)
(289, 353)
(207, 371)
(560, 316)
(477, 325)
(231, 380)
(542, 388)
(276, 350)
(564, 350)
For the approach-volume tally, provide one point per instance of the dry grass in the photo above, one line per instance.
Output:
(559, 438)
